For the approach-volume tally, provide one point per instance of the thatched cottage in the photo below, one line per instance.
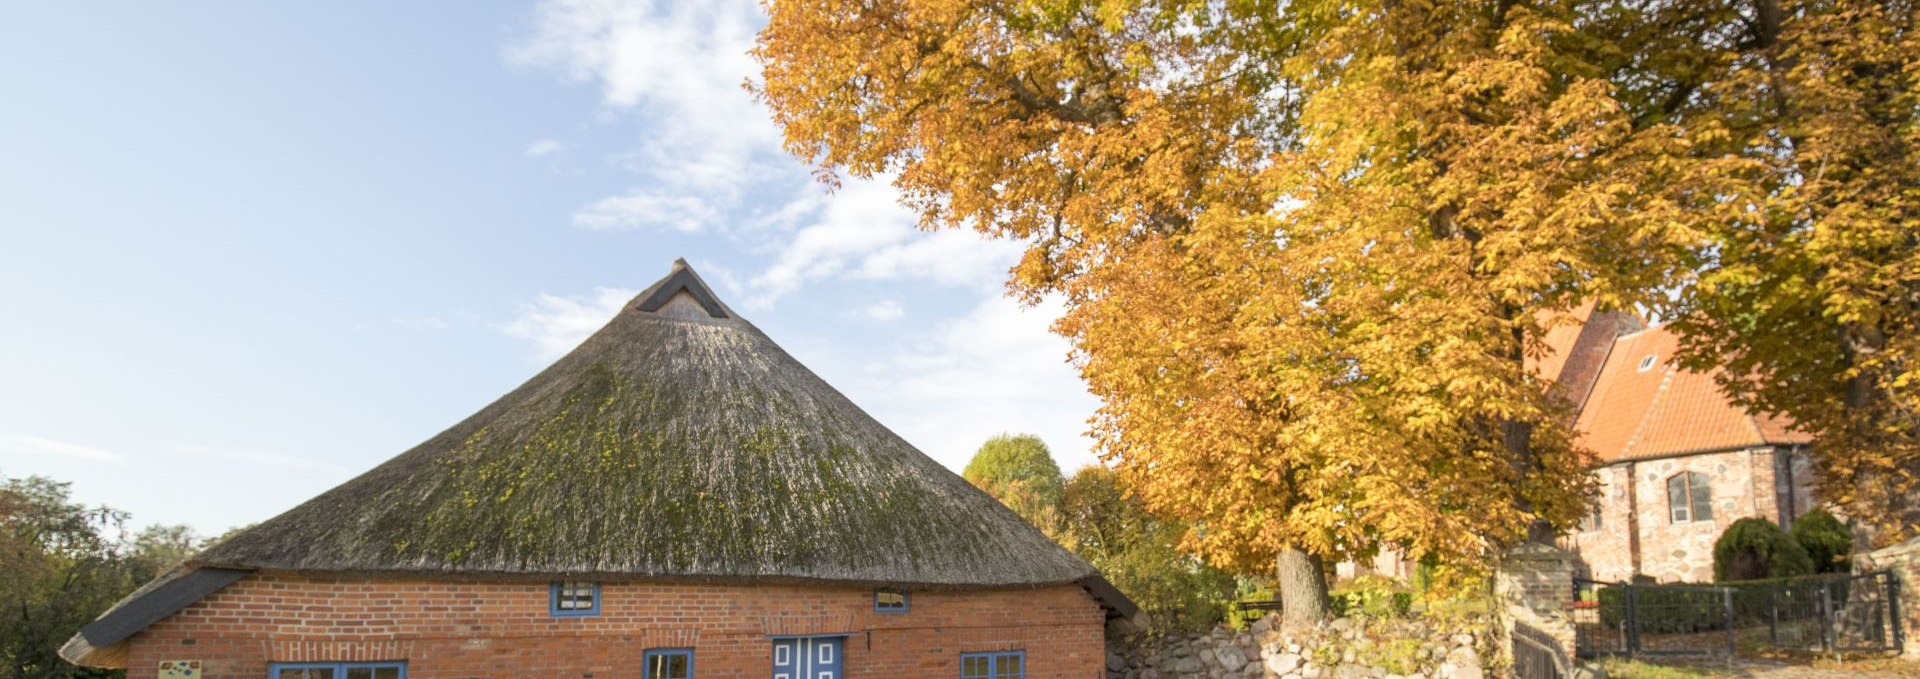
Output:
(678, 497)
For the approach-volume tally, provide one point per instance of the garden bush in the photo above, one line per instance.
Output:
(1371, 595)
(1755, 549)
(1758, 602)
(1827, 541)
(1668, 609)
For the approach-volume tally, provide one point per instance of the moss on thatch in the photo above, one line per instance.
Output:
(673, 443)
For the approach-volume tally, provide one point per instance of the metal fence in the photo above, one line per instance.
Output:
(1848, 613)
(1536, 655)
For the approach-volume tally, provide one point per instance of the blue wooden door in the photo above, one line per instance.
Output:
(807, 657)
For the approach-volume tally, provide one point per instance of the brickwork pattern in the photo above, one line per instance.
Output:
(1903, 560)
(1534, 587)
(474, 630)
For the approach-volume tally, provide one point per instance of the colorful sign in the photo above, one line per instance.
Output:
(180, 669)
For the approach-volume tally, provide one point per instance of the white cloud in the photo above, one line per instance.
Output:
(862, 232)
(709, 160)
(557, 324)
(22, 444)
(996, 369)
(642, 209)
(949, 257)
(261, 459)
(543, 147)
(682, 67)
(883, 311)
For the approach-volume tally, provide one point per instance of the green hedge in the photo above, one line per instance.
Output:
(1688, 609)
(1756, 602)
(1666, 610)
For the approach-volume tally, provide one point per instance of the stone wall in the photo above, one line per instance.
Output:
(1534, 587)
(1606, 547)
(1904, 560)
(1634, 507)
(1345, 648)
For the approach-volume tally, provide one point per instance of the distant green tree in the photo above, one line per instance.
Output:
(1021, 473)
(159, 548)
(1754, 548)
(236, 530)
(1140, 553)
(59, 568)
(1827, 541)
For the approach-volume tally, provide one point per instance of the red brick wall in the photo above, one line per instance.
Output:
(462, 630)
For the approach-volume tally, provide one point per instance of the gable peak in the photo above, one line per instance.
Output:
(682, 280)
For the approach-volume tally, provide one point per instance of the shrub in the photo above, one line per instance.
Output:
(1398, 657)
(1761, 602)
(1671, 609)
(1371, 595)
(1827, 541)
(1754, 548)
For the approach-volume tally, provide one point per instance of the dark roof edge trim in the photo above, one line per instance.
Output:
(1112, 599)
(1652, 457)
(683, 278)
(127, 620)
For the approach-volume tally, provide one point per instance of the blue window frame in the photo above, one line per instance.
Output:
(1001, 665)
(574, 598)
(667, 663)
(890, 600)
(337, 670)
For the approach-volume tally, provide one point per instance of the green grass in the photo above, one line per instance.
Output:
(1622, 668)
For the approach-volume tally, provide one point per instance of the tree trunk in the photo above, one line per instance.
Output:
(1303, 589)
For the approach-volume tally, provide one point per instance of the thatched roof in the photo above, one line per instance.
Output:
(679, 441)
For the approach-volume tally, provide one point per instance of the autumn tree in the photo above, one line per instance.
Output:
(1808, 120)
(1307, 247)
(1019, 471)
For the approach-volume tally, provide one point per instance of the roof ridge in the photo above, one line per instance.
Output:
(1598, 373)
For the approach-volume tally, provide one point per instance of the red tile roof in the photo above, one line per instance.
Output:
(1641, 404)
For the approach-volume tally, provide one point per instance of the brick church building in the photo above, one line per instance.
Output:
(676, 498)
(1678, 460)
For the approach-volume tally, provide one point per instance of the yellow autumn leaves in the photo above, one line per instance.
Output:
(1309, 247)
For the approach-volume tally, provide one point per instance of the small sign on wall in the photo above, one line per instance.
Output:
(180, 669)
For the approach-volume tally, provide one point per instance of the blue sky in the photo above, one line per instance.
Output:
(248, 250)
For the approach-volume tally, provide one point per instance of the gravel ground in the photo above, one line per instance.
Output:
(1750, 668)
